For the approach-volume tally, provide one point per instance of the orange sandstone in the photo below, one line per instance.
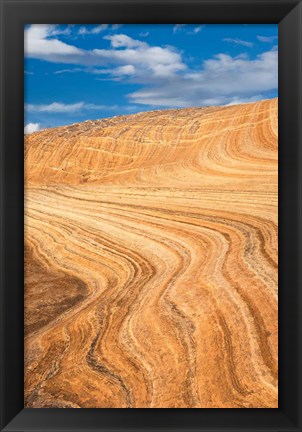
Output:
(151, 261)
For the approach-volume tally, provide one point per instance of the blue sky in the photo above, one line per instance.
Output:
(79, 72)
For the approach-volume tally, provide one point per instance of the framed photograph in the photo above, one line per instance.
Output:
(151, 215)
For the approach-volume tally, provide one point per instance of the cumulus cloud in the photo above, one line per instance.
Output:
(58, 107)
(31, 127)
(220, 81)
(147, 60)
(241, 42)
(40, 43)
(124, 41)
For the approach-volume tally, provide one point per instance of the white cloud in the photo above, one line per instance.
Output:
(147, 60)
(196, 29)
(73, 70)
(93, 30)
(58, 107)
(240, 101)
(124, 41)
(178, 27)
(55, 107)
(31, 127)
(144, 34)
(220, 81)
(119, 71)
(40, 43)
(241, 42)
(60, 31)
(267, 39)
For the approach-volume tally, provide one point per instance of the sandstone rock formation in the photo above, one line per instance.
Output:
(151, 261)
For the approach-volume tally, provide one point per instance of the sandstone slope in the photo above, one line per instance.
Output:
(151, 260)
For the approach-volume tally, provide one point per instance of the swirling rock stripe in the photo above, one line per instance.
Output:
(151, 261)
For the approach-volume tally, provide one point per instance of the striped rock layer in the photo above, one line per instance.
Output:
(151, 261)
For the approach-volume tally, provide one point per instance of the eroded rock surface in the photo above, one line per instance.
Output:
(151, 261)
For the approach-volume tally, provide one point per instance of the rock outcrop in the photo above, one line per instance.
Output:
(151, 261)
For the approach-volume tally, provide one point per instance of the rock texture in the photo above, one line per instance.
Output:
(151, 261)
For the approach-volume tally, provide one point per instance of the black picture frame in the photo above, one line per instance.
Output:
(14, 15)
